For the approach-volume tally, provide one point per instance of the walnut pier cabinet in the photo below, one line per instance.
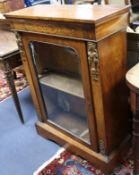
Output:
(75, 62)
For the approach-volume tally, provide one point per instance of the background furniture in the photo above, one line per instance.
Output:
(36, 2)
(9, 52)
(86, 1)
(133, 49)
(10, 5)
(133, 37)
(135, 5)
(83, 2)
(9, 59)
(132, 78)
(76, 68)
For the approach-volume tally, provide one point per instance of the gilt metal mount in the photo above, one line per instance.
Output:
(102, 147)
(93, 60)
(20, 45)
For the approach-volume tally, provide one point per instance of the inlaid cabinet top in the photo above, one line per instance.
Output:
(69, 13)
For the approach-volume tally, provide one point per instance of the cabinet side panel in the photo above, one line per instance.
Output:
(112, 53)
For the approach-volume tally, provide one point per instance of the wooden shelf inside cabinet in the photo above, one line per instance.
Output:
(72, 86)
(69, 122)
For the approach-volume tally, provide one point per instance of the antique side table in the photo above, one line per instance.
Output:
(9, 59)
(132, 78)
(75, 60)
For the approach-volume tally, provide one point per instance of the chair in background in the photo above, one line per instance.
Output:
(132, 78)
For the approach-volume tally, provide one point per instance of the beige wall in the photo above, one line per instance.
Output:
(117, 1)
(120, 2)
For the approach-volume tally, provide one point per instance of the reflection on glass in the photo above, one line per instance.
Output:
(58, 69)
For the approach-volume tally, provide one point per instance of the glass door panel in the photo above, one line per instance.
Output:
(59, 74)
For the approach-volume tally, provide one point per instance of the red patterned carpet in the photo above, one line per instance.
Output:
(67, 163)
(20, 83)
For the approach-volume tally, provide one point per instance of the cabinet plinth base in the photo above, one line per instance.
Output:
(105, 163)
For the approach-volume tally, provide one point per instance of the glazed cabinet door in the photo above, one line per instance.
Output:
(60, 72)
